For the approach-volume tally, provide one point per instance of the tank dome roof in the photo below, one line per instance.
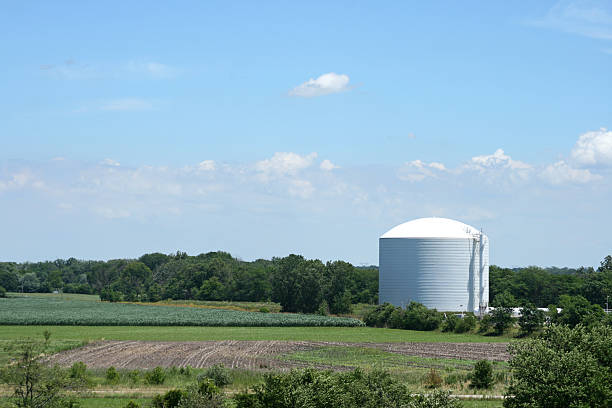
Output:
(432, 227)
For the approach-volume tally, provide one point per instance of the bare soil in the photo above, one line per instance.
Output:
(253, 355)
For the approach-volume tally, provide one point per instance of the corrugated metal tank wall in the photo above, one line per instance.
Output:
(449, 274)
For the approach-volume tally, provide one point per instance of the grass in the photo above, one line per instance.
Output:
(212, 304)
(60, 296)
(55, 311)
(186, 333)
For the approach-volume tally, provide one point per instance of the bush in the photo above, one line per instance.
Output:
(133, 376)
(218, 374)
(562, 367)
(450, 322)
(131, 404)
(323, 309)
(78, 371)
(482, 376)
(501, 319)
(531, 319)
(433, 379)
(2, 292)
(485, 324)
(312, 388)
(111, 375)
(170, 399)
(186, 371)
(466, 324)
(156, 376)
(415, 317)
(264, 310)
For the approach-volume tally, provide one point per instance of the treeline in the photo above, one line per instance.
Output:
(298, 284)
(543, 287)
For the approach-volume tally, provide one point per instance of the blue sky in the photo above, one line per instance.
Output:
(264, 128)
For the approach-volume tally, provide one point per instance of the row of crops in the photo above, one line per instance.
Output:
(40, 311)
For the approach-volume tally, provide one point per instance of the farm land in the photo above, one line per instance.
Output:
(246, 352)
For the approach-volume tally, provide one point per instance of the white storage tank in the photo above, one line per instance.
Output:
(439, 262)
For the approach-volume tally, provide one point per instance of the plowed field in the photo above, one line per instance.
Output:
(252, 355)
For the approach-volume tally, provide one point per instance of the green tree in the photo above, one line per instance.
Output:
(501, 319)
(36, 385)
(482, 376)
(531, 319)
(577, 310)
(564, 367)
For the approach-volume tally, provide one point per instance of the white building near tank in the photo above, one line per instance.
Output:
(439, 262)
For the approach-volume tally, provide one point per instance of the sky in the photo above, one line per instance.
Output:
(269, 128)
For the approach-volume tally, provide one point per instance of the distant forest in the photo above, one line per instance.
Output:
(298, 284)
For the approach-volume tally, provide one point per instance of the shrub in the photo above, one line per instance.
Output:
(156, 376)
(562, 367)
(134, 376)
(433, 379)
(482, 376)
(323, 309)
(112, 376)
(78, 371)
(485, 324)
(419, 317)
(186, 371)
(466, 324)
(531, 319)
(450, 322)
(132, 404)
(264, 309)
(501, 319)
(218, 374)
(2, 292)
(170, 399)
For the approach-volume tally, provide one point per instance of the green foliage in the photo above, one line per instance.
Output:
(531, 319)
(415, 317)
(450, 322)
(466, 324)
(170, 399)
(78, 371)
(501, 319)
(111, 375)
(40, 311)
(504, 299)
(321, 389)
(156, 376)
(2, 292)
(482, 376)
(219, 375)
(578, 310)
(34, 384)
(323, 309)
(132, 404)
(563, 367)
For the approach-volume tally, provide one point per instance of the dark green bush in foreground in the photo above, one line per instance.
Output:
(564, 367)
(482, 377)
(322, 389)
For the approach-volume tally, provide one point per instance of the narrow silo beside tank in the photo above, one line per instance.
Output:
(439, 262)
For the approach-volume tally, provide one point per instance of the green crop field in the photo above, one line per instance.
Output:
(55, 311)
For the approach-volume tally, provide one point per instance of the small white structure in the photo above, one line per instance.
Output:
(439, 262)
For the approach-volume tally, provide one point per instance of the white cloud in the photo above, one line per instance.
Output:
(128, 104)
(285, 163)
(587, 18)
(497, 160)
(593, 149)
(323, 85)
(418, 170)
(328, 165)
(301, 188)
(207, 165)
(110, 162)
(562, 173)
